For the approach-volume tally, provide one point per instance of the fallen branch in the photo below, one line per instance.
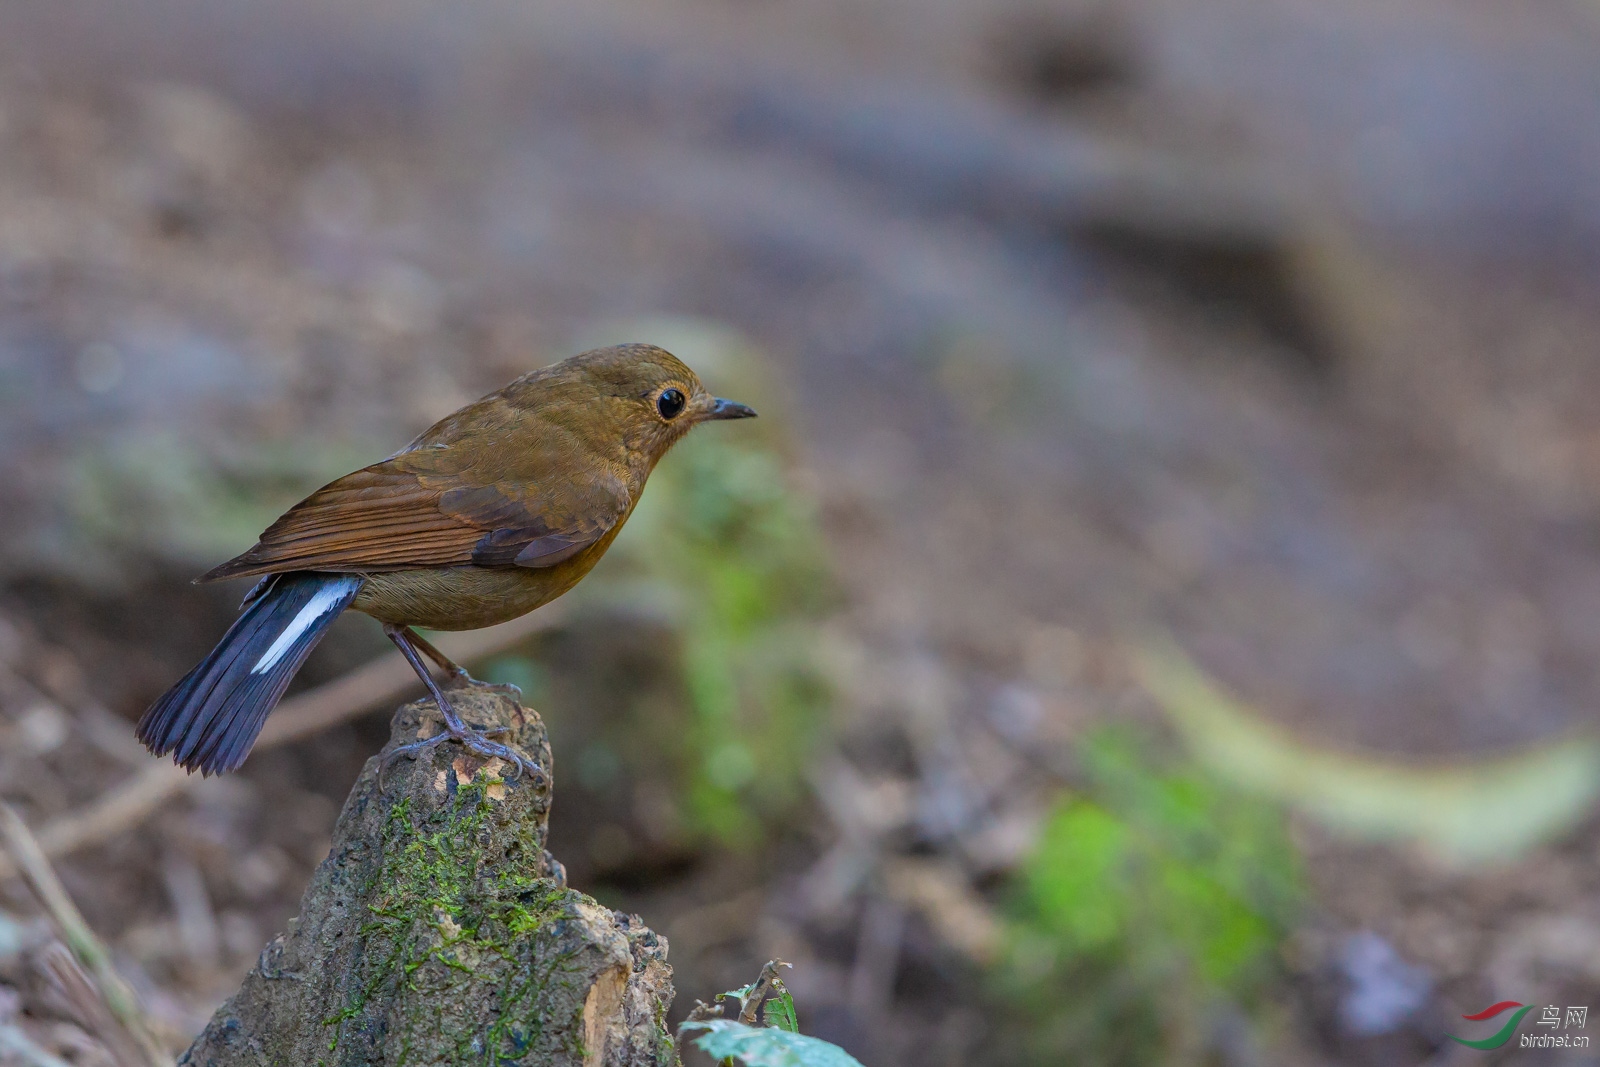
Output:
(379, 683)
(90, 1009)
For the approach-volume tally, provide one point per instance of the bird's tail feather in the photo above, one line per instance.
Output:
(209, 720)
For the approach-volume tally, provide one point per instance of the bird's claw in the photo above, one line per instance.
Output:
(474, 741)
(412, 750)
(516, 762)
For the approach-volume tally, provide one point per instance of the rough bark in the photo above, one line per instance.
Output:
(440, 931)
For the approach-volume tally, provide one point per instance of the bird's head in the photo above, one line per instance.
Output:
(652, 394)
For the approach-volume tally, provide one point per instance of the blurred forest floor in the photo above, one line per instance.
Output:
(1071, 328)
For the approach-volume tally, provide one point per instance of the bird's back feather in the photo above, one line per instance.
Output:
(439, 507)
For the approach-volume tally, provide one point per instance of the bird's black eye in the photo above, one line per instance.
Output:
(670, 403)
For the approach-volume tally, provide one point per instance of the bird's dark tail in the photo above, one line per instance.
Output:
(209, 720)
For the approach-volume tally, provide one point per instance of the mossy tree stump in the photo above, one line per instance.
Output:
(440, 931)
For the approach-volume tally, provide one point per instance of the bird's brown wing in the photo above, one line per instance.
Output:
(403, 514)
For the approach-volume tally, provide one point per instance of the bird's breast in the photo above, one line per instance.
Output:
(468, 597)
(462, 598)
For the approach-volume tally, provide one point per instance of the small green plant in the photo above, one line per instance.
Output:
(777, 1042)
(733, 550)
(1150, 904)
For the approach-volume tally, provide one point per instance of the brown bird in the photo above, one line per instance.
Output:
(491, 512)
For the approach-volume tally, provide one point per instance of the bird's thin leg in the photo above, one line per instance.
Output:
(446, 664)
(456, 671)
(454, 728)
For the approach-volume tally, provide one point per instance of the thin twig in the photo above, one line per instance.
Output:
(89, 1007)
(380, 682)
(751, 1003)
(750, 997)
(72, 929)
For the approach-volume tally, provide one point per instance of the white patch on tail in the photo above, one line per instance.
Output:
(325, 600)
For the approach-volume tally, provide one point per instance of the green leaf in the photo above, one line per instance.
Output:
(738, 994)
(779, 1012)
(767, 1046)
(1075, 880)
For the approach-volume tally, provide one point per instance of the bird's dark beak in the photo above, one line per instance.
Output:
(730, 409)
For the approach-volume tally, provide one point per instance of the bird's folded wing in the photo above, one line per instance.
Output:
(387, 517)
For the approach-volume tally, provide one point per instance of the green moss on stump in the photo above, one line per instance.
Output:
(439, 931)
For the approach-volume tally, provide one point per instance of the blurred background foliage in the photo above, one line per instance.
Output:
(193, 501)
(1148, 916)
(744, 555)
(726, 555)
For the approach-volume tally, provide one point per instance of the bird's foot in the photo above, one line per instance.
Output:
(476, 741)
(473, 740)
(460, 679)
